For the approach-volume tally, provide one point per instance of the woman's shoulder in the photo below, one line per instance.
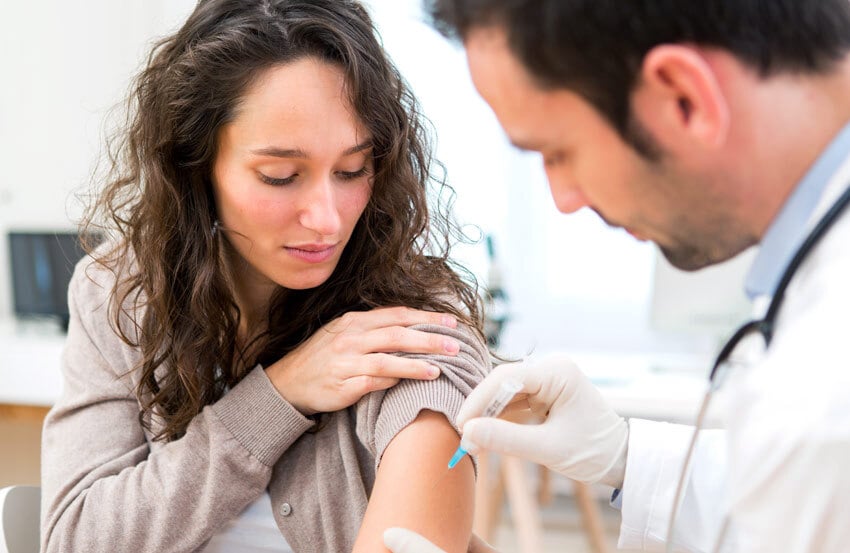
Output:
(96, 274)
(100, 279)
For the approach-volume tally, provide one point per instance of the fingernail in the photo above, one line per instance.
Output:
(451, 346)
(449, 321)
(433, 371)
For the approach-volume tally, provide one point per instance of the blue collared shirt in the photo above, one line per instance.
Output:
(788, 229)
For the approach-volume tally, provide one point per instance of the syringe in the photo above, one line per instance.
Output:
(507, 389)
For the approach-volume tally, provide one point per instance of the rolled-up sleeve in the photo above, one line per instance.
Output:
(382, 415)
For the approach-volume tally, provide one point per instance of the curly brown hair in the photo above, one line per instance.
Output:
(172, 284)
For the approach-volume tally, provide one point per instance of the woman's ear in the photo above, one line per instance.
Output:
(680, 99)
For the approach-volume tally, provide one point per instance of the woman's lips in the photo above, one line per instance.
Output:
(311, 253)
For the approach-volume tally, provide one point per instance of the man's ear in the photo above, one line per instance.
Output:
(679, 97)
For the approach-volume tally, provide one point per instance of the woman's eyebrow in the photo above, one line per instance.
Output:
(274, 151)
(359, 148)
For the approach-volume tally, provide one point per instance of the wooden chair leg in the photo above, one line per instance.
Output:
(591, 516)
(524, 508)
(489, 496)
(544, 485)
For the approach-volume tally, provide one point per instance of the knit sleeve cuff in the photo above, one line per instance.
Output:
(403, 403)
(259, 418)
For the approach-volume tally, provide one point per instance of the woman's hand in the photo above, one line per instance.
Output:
(351, 356)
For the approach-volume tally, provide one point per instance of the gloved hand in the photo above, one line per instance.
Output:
(580, 437)
(401, 540)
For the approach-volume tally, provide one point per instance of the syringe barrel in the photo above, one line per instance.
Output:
(507, 389)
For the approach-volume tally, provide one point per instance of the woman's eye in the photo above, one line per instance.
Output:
(278, 182)
(351, 175)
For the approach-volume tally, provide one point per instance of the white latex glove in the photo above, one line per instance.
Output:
(580, 437)
(402, 540)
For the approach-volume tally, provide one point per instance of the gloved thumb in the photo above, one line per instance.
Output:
(402, 540)
(508, 438)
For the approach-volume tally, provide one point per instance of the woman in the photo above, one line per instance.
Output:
(229, 377)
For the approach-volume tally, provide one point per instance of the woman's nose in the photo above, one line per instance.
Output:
(318, 210)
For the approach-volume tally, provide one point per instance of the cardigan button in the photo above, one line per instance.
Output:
(285, 509)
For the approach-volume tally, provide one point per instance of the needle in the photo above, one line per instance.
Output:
(507, 389)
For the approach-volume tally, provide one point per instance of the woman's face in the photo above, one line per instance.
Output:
(291, 177)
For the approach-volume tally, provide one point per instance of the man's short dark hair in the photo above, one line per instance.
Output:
(596, 47)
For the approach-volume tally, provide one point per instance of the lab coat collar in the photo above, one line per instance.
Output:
(788, 229)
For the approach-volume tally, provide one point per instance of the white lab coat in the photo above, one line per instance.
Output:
(780, 469)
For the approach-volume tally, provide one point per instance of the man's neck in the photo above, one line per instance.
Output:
(794, 118)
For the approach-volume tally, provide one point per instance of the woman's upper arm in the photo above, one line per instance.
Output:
(414, 488)
(411, 431)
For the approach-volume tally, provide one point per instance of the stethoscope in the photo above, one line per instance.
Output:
(763, 327)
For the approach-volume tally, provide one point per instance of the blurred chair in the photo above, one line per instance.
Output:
(507, 481)
(19, 519)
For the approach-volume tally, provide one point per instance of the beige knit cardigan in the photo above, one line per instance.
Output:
(107, 487)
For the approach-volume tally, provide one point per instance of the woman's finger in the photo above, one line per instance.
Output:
(363, 384)
(394, 316)
(398, 339)
(393, 366)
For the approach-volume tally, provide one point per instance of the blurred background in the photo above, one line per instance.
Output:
(643, 331)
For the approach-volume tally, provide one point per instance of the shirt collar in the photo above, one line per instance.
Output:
(788, 229)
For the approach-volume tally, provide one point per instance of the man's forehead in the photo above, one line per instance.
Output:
(494, 68)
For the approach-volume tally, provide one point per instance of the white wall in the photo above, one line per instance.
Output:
(64, 64)
(573, 282)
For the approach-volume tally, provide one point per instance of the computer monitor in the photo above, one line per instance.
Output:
(42, 264)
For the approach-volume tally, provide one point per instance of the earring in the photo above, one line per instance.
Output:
(215, 227)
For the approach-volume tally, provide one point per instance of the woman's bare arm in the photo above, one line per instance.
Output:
(414, 489)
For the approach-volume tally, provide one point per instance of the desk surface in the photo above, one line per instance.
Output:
(30, 357)
(658, 387)
(649, 386)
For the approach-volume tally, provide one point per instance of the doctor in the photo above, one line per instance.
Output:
(705, 127)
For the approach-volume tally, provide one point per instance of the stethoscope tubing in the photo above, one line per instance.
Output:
(765, 327)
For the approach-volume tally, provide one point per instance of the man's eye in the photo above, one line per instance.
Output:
(551, 160)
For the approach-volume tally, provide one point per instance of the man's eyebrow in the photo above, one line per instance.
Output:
(274, 151)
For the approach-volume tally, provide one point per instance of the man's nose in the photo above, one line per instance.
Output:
(565, 192)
